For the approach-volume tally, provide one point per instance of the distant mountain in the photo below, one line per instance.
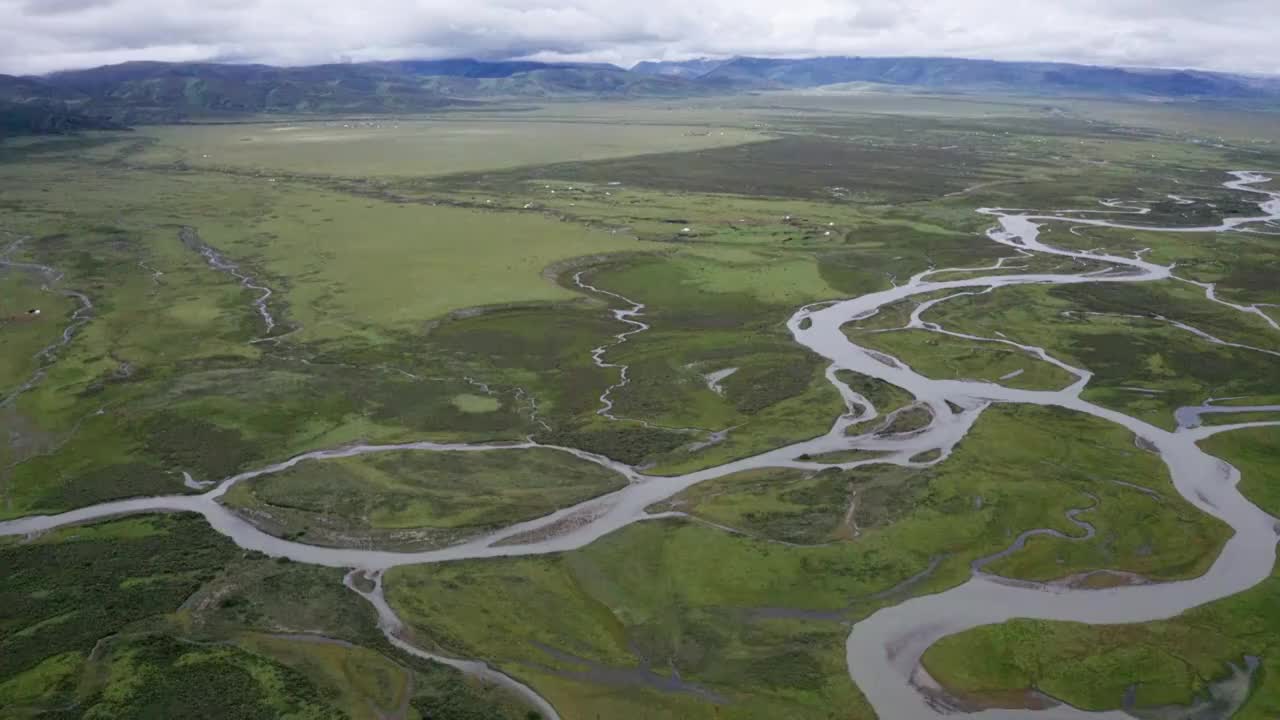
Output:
(18, 89)
(469, 68)
(165, 92)
(960, 74)
(682, 68)
(140, 92)
(565, 81)
(151, 92)
(30, 106)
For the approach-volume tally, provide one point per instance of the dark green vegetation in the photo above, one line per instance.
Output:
(166, 559)
(158, 615)
(1167, 663)
(44, 118)
(419, 295)
(798, 166)
(417, 499)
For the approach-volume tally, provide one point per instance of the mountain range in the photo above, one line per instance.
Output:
(149, 92)
(968, 75)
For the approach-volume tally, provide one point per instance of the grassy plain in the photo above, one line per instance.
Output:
(752, 620)
(1171, 662)
(25, 334)
(624, 613)
(416, 499)
(168, 355)
(950, 358)
(422, 282)
(418, 147)
(370, 267)
(1143, 365)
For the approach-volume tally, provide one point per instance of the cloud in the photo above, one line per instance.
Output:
(58, 7)
(43, 35)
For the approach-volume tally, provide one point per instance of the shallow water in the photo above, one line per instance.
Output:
(1189, 417)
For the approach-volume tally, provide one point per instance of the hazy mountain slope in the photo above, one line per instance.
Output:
(157, 92)
(683, 68)
(46, 118)
(960, 74)
(165, 92)
(170, 91)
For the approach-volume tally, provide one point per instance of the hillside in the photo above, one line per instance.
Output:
(147, 92)
(682, 68)
(30, 106)
(961, 74)
(166, 92)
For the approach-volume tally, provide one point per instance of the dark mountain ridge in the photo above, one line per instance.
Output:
(142, 92)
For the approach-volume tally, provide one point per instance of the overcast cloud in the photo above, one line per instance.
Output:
(38, 36)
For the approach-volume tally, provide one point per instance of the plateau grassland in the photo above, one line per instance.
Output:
(613, 278)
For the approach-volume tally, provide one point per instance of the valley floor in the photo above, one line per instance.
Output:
(640, 431)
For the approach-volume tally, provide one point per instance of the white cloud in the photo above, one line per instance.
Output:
(42, 35)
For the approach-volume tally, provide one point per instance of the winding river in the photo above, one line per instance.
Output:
(883, 650)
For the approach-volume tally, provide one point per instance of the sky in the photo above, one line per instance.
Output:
(38, 36)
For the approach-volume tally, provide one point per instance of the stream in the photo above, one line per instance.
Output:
(83, 312)
(883, 651)
(191, 238)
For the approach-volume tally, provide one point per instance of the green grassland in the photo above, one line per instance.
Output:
(422, 285)
(1142, 366)
(966, 508)
(1239, 263)
(417, 499)
(883, 396)
(594, 630)
(168, 357)
(359, 266)
(778, 504)
(420, 147)
(752, 618)
(25, 334)
(1169, 662)
(1253, 452)
(950, 358)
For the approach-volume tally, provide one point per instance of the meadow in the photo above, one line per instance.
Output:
(412, 500)
(752, 621)
(422, 147)
(262, 289)
(1143, 364)
(1151, 665)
